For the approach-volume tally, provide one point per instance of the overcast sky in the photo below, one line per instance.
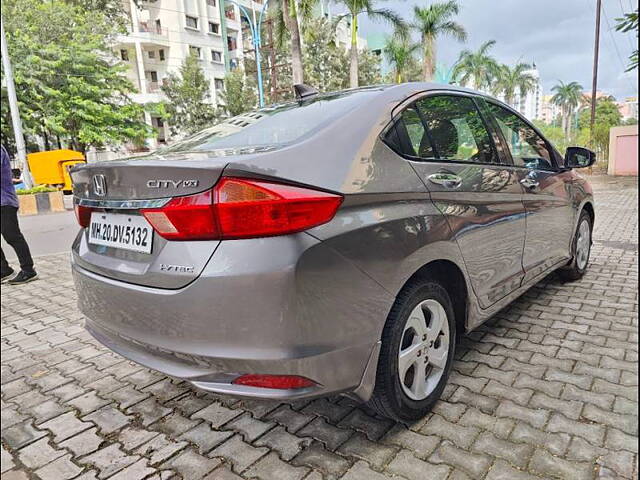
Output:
(556, 34)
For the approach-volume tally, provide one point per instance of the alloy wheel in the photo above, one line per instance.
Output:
(424, 350)
(583, 244)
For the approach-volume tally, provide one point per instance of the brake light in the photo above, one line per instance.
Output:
(280, 382)
(185, 218)
(243, 208)
(83, 215)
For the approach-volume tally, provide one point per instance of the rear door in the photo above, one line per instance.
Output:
(547, 199)
(451, 149)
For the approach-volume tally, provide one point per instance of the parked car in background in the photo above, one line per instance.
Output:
(340, 243)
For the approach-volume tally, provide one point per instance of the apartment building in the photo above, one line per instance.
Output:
(629, 108)
(549, 111)
(162, 33)
(530, 105)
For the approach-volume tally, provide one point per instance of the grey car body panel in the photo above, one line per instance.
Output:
(129, 179)
(170, 265)
(315, 303)
(264, 304)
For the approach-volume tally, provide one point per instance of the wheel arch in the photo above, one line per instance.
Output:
(588, 207)
(452, 278)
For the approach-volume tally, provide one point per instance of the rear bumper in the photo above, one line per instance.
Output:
(308, 312)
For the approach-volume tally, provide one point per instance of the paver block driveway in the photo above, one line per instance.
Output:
(546, 389)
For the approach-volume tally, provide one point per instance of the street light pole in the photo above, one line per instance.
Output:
(256, 35)
(15, 113)
(594, 85)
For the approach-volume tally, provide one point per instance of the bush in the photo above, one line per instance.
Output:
(37, 189)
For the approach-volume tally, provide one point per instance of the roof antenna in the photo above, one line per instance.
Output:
(304, 91)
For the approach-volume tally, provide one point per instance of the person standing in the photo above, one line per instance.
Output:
(11, 229)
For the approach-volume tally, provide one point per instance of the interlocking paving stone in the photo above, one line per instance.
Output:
(21, 434)
(83, 443)
(61, 469)
(38, 454)
(547, 389)
(361, 471)
(216, 414)
(316, 456)
(271, 467)
(374, 453)
(239, 453)
(286, 444)
(109, 460)
(159, 449)
(204, 437)
(408, 466)
(421, 445)
(191, 464)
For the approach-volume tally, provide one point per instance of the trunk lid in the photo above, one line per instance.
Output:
(123, 187)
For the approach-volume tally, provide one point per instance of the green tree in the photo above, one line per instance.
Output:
(189, 98)
(325, 62)
(399, 52)
(434, 21)
(568, 97)
(476, 68)
(238, 95)
(629, 23)
(289, 16)
(607, 116)
(512, 80)
(68, 84)
(554, 134)
(368, 7)
(369, 68)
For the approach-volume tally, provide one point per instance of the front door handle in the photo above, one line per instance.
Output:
(530, 183)
(447, 180)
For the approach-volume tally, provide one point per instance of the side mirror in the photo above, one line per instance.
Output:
(578, 157)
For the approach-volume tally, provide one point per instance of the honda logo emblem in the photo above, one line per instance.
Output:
(99, 185)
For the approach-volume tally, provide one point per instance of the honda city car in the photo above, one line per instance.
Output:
(339, 243)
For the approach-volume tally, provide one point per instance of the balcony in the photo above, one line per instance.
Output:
(148, 34)
(153, 87)
(230, 13)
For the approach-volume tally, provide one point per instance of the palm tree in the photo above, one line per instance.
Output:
(568, 97)
(399, 52)
(431, 22)
(510, 81)
(477, 68)
(355, 8)
(286, 16)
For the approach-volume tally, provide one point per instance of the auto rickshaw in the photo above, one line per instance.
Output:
(52, 167)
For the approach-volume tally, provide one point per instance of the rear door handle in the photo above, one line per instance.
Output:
(530, 183)
(447, 180)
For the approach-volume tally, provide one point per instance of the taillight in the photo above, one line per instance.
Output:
(243, 208)
(185, 218)
(83, 215)
(280, 382)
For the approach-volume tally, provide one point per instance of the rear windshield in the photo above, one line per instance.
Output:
(272, 126)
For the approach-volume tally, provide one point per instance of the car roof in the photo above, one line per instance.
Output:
(398, 92)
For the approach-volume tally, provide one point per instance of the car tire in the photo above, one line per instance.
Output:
(581, 248)
(406, 338)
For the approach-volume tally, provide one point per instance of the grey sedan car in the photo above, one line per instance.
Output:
(337, 244)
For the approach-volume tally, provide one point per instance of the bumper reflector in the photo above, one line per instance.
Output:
(280, 382)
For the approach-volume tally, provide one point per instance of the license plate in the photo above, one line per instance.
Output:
(128, 232)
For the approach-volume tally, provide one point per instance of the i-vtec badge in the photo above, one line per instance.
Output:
(165, 267)
(172, 183)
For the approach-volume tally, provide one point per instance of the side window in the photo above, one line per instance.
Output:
(457, 130)
(527, 148)
(408, 135)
